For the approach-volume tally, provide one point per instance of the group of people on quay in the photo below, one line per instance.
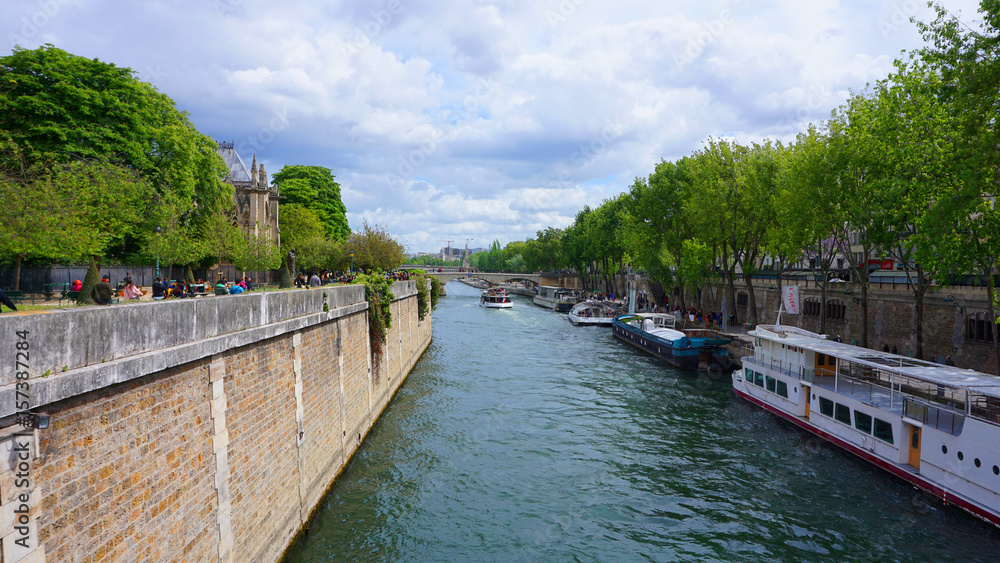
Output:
(325, 277)
(105, 293)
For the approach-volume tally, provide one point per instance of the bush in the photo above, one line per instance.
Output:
(378, 293)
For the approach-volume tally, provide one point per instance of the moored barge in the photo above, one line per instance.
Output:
(685, 349)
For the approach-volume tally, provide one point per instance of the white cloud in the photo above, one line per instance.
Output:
(486, 120)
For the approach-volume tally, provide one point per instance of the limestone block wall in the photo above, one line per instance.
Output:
(216, 447)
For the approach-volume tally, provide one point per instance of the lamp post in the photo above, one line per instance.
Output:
(351, 254)
(156, 272)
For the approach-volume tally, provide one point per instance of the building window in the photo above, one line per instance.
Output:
(836, 310)
(825, 406)
(979, 328)
(742, 299)
(811, 307)
(842, 413)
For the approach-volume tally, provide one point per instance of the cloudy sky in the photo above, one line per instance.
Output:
(450, 120)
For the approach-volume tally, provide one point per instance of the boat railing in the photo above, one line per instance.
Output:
(807, 374)
(942, 418)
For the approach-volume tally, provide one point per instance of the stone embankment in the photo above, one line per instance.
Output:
(195, 430)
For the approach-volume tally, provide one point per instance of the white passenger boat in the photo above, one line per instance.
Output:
(592, 313)
(558, 298)
(936, 426)
(495, 298)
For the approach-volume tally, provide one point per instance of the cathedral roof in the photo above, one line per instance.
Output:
(238, 171)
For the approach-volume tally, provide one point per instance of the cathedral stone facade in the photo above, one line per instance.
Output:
(256, 200)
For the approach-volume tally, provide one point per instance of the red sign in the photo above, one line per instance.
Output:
(876, 264)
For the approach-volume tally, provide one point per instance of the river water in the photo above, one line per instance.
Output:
(519, 437)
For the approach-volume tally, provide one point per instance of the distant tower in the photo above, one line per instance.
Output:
(465, 256)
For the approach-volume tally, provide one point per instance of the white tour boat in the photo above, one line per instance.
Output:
(495, 298)
(936, 426)
(558, 298)
(592, 313)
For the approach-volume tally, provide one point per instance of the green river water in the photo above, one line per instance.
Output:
(519, 437)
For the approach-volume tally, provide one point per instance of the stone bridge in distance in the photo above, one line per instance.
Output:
(447, 274)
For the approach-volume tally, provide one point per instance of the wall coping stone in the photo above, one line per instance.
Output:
(88, 348)
(60, 386)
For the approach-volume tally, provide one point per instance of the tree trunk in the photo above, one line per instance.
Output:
(17, 272)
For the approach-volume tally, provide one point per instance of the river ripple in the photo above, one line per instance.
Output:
(519, 437)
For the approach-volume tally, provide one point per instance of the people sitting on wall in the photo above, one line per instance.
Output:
(159, 289)
(131, 291)
(77, 285)
(248, 284)
(179, 289)
(221, 286)
(236, 289)
(314, 280)
(101, 292)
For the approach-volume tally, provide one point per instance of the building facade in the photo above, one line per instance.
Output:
(256, 200)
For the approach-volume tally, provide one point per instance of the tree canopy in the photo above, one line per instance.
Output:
(125, 149)
(314, 187)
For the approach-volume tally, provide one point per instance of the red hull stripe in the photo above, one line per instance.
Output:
(912, 478)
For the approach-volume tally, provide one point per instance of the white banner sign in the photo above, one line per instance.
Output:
(790, 295)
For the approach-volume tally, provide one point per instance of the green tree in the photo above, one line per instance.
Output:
(314, 187)
(301, 233)
(375, 249)
(965, 218)
(42, 220)
(60, 109)
(256, 252)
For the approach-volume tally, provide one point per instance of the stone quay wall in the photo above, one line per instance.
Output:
(891, 318)
(190, 430)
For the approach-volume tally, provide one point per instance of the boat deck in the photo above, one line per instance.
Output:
(869, 394)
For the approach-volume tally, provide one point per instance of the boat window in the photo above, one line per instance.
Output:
(758, 379)
(783, 389)
(883, 430)
(770, 381)
(749, 374)
(825, 406)
(863, 422)
(842, 413)
(820, 359)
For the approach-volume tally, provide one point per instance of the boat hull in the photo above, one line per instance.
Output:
(589, 321)
(684, 358)
(507, 305)
(555, 304)
(913, 478)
